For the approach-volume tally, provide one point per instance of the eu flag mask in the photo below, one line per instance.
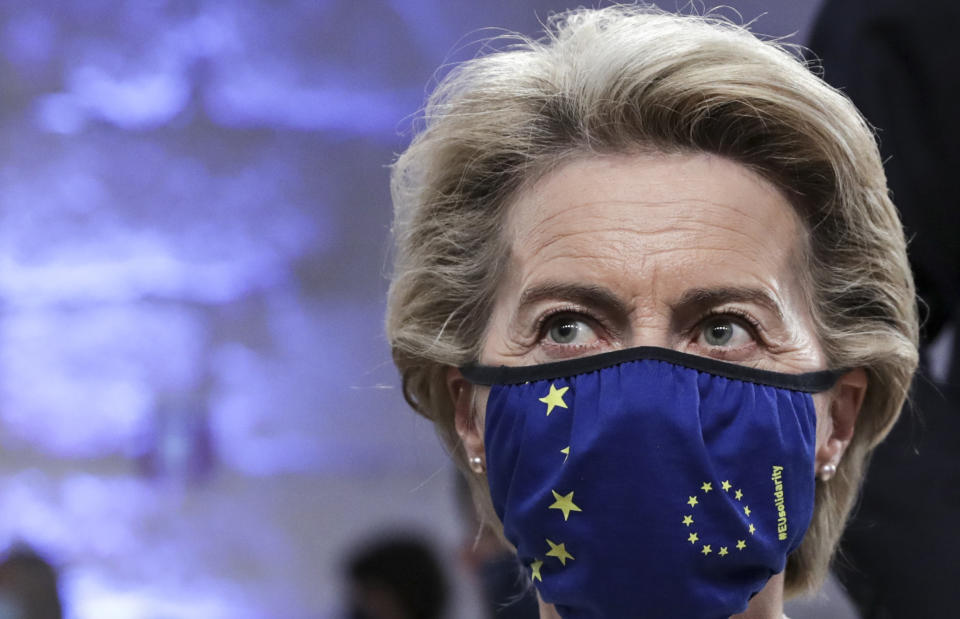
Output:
(648, 482)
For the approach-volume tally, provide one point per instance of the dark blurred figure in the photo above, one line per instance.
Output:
(28, 587)
(396, 576)
(505, 589)
(900, 63)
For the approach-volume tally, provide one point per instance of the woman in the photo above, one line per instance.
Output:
(678, 242)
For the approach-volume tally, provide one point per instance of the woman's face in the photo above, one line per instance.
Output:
(690, 252)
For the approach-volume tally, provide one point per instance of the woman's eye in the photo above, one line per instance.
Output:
(569, 330)
(724, 332)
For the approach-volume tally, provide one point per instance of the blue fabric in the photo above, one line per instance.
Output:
(670, 469)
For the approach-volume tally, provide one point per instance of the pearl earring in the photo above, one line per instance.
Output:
(476, 465)
(827, 471)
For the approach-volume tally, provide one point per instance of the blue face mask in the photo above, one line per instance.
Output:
(648, 482)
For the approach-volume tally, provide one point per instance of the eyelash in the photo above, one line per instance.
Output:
(756, 330)
(544, 321)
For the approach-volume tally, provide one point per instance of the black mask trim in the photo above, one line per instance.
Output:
(810, 382)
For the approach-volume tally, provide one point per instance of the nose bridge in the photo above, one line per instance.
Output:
(651, 323)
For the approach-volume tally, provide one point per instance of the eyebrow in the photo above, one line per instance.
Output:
(586, 294)
(709, 297)
(600, 296)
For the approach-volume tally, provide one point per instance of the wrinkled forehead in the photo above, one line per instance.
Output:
(630, 217)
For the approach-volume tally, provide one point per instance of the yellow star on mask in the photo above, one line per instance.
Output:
(738, 495)
(706, 550)
(692, 501)
(746, 509)
(564, 503)
(723, 551)
(554, 398)
(559, 551)
(565, 451)
(693, 538)
(726, 486)
(535, 569)
(688, 520)
(707, 486)
(741, 544)
(752, 528)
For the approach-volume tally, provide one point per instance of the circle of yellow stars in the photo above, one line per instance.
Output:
(563, 502)
(688, 519)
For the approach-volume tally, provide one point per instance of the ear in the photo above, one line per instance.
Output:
(841, 418)
(468, 427)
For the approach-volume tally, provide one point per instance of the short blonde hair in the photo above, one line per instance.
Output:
(627, 79)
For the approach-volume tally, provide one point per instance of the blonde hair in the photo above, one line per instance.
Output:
(626, 79)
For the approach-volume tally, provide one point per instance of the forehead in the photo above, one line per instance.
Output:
(654, 224)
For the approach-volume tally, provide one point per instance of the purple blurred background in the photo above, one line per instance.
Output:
(198, 413)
